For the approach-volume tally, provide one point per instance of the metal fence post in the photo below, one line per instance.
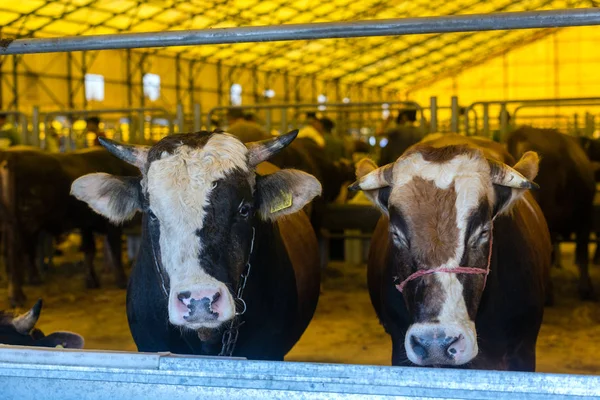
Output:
(486, 120)
(503, 121)
(35, 126)
(284, 124)
(141, 125)
(268, 122)
(197, 118)
(589, 124)
(180, 118)
(454, 120)
(433, 114)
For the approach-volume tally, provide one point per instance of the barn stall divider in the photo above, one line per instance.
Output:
(66, 374)
(504, 115)
(297, 108)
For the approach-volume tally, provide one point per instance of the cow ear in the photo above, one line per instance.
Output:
(284, 192)
(115, 197)
(380, 195)
(507, 196)
(65, 340)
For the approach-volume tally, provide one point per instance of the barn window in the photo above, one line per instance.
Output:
(322, 99)
(235, 94)
(151, 86)
(94, 87)
(386, 111)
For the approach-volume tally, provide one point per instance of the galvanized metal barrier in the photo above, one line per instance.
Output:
(139, 112)
(284, 108)
(325, 30)
(519, 103)
(27, 373)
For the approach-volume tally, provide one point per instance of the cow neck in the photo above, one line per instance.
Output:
(457, 270)
(230, 335)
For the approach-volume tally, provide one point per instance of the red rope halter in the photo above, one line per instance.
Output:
(457, 270)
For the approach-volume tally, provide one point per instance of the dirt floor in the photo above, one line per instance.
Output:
(344, 328)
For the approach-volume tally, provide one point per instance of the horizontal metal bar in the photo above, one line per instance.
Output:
(107, 111)
(72, 374)
(384, 27)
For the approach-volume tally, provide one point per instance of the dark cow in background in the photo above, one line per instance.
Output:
(457, 264)
(35, 197)
(225, 251)
(20, 330)
(566, 193)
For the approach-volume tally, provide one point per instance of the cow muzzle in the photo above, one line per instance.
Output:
(431, 344)
(201, 307)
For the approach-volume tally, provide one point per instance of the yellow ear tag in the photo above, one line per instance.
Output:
(285, 201)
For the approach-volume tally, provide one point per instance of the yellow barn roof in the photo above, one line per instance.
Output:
(387, 62)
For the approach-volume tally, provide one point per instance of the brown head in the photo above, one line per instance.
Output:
(441, 202)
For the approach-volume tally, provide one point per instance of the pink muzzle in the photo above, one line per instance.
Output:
(457, 270)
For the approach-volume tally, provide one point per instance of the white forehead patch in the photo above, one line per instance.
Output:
(179, 187)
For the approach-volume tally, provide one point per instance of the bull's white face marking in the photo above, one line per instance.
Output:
(179, 186)
(470, 175)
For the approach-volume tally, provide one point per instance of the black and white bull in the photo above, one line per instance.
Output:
(20, 330)
(457, 263)
(566, 194)
(35, 187)
(226, 252)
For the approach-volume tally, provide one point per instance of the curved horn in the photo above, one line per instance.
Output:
(24, 323)
(265, 149)
(381, 177)
(132, 154)
(504, 175)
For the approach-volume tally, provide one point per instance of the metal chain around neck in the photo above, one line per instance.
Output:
(230, 335)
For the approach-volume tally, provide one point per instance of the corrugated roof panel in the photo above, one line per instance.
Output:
(115, 6)
(66, 27)
(119, 21)
(7, 17)
(146, 10)
(32, 23)
(89, 16)
(147, 26)
(169, 16)
(21, 7)
(55, 9)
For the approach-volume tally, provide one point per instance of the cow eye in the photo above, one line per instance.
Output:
(245, 210)
(399, 239)
(482, 238)
(152, 216)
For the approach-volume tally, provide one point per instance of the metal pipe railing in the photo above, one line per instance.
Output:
(197, 117)
(20, 120)
(140, 112)
(562, 102)
(454, 120)
(326, 30)
(335, 107)
(573, 102)
(433, 114)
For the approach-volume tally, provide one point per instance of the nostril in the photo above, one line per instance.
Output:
(216, 297)
(184, 295)
(453, 344)
(418, 346)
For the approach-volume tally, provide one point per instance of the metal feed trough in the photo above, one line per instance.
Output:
(70, 374)
(64, 374)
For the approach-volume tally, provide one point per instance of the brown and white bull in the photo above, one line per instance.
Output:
(458, 261)
(228, 263)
